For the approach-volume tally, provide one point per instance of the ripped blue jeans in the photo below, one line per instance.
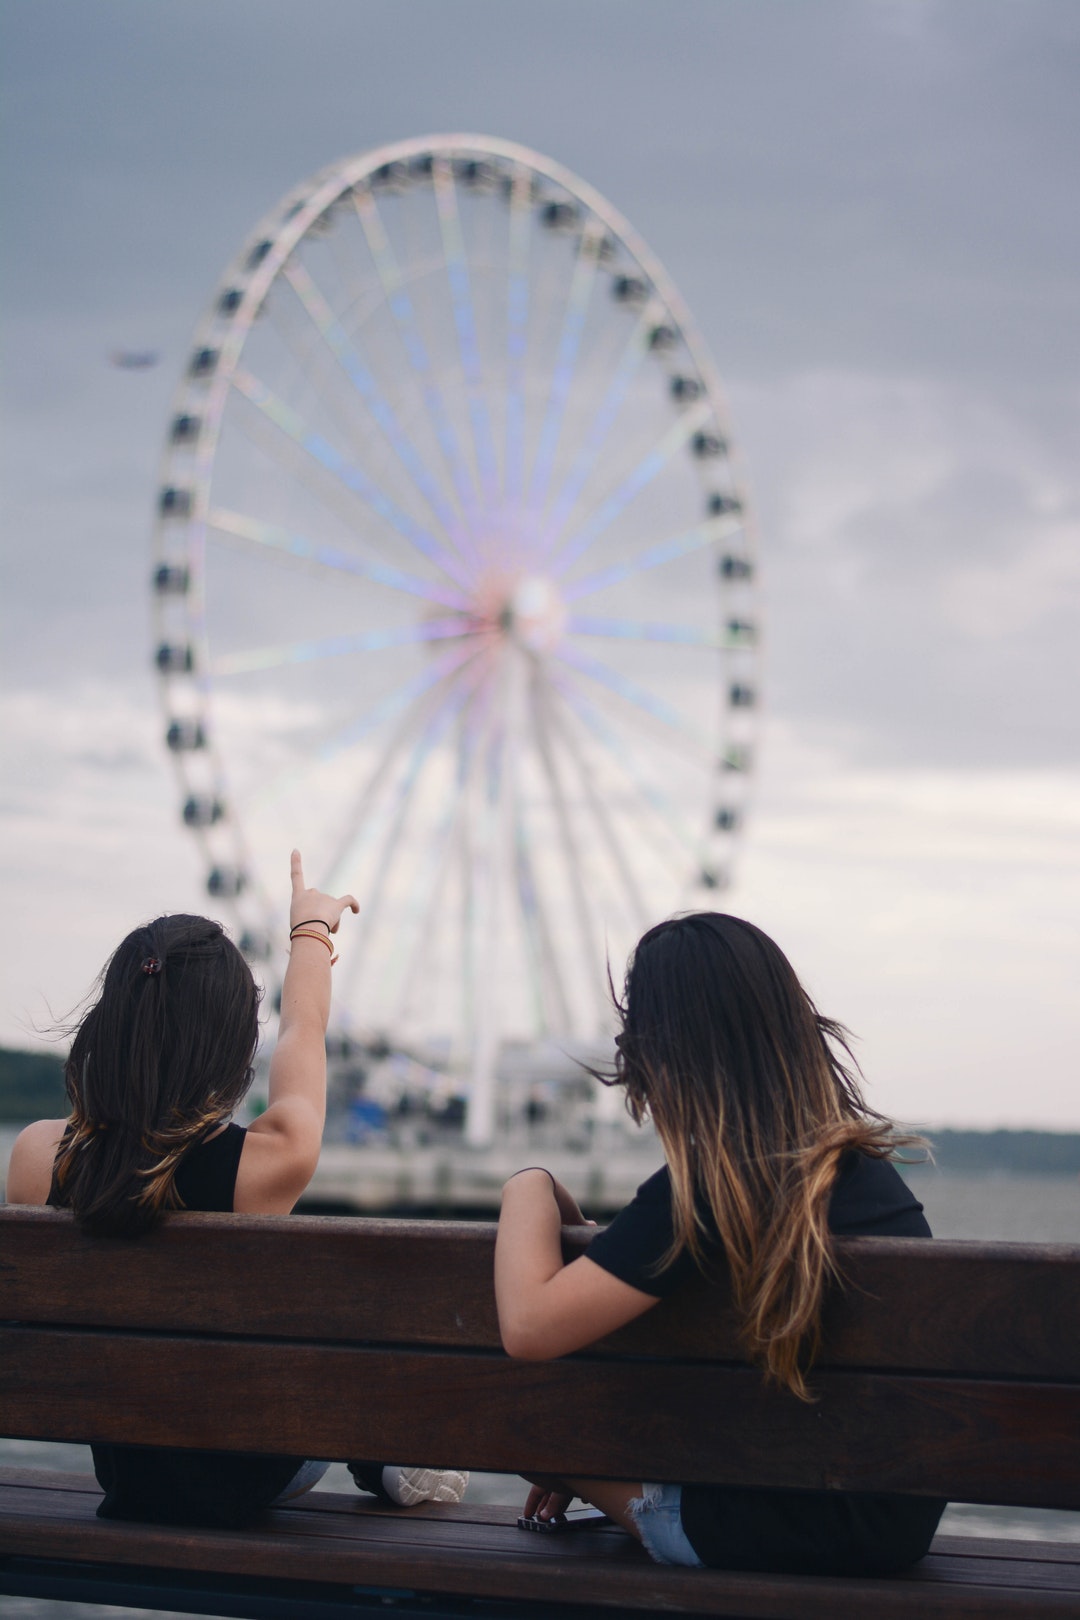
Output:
(657, 1512)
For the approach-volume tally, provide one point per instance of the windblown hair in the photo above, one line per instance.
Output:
(741, 1075)
(159, 1062)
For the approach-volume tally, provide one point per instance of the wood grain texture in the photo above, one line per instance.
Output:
(338, 1540)
(972, 1440)
(999, 1310)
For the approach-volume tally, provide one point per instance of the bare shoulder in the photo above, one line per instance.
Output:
(281, 1150)
(30, 1168)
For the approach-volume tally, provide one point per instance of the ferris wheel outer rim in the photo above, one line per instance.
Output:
(285, 226)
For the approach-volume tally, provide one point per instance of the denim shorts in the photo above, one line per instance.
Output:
(658, 1516)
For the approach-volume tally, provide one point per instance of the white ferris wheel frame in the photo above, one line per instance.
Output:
(215, 368)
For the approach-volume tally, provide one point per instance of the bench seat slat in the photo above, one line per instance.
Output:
(994, 1309)
(1049, 1552)
(339, 1540)
(970, 1440)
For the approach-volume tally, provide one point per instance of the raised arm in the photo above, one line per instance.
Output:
(282, 1146)
(546, 1308)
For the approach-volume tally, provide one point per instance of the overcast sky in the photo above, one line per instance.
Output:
(870, 207)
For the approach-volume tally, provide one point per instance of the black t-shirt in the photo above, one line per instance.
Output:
(167, 1485)
(796, 1532)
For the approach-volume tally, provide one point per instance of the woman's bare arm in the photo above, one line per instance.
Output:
(282, 1146)
(546, 1308)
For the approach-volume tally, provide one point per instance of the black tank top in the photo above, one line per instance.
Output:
(206, 1176)
(165, 1485)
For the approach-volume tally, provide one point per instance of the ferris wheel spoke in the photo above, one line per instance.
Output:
(570, 852)
(343, 351)
(303, 652)
(654, 556)
(577, 303)
(669, 446)
(345, 473)
(395, 819)
(339, 403)
(457, 269)
(327, 491)
(442, 670)
(549, 997)
(581, 624)
(358, 727)
(639, 698)
(291, 548)
(602, 817)
(419, 913)
(401, 308)
(486, 946)
(538, 930)
(517, 325)
(629, 365)
(370, 819)
(649, 794)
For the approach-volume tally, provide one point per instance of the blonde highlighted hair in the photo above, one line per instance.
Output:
(722, 1047)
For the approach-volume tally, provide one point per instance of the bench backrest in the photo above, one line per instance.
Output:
(949, 1369)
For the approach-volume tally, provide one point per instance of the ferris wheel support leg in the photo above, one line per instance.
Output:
(481, 1120)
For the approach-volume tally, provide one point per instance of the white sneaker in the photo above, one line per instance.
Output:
(408, 1486)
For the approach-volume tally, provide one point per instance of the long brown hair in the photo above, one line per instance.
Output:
(159, 1062)
(754, 1106)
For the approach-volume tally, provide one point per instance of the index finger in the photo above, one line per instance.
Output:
(296, 872)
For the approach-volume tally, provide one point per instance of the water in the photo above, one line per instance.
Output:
(997, 1205)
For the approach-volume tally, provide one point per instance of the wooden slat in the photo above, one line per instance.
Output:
(49, 1479)
(976, 1441)
(1050, 1552)
(341, 1542)
(1003, 1310)
(59, 1483)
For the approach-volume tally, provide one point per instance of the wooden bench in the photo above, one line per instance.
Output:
(950, 1369)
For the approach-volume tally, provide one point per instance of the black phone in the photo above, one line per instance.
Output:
(573, 1519)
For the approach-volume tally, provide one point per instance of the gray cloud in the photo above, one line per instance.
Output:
(869, 206)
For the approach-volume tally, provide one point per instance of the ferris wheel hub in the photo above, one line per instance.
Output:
(527, 610)
(535, 614)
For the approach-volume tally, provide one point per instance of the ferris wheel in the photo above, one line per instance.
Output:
(454, 589)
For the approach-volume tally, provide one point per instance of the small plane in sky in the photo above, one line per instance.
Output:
(134, 359)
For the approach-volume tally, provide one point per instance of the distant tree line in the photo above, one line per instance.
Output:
(1024, 1152)
(31, 1087)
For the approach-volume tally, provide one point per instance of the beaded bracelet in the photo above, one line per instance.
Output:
(299, 933)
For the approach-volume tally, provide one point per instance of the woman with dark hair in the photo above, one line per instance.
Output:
(157, 1067)
(770, 1153)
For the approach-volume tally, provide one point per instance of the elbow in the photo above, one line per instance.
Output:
(523, 1347)
(525, 1340)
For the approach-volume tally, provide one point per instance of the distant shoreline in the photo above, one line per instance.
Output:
(32, 1087)
(1021, 1152)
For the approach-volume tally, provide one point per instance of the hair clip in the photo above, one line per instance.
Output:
(151, 966)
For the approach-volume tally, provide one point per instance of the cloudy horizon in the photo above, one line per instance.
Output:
(869, 206)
